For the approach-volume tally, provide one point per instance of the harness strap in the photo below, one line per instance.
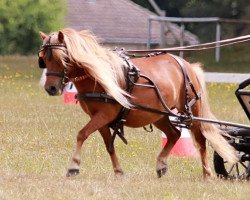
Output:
(189, 83)
(79, 78)
(133, 75)
(117, 125)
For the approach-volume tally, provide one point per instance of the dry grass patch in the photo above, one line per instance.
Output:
(38, 135)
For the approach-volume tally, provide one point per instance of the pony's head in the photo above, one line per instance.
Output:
(68, 50)
(52, 57)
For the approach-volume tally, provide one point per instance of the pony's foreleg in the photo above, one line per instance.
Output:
(96, 122)
(107, 137)
(173, 134)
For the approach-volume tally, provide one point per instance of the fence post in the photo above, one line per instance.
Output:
(149, 33)
(218, 35)
(182, 39)
(163, 40)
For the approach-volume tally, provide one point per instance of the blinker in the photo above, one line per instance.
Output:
(41, 63)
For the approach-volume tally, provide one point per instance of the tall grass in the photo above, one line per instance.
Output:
(38, 135)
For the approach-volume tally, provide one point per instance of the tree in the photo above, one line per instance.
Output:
(234, 9)
(21, 21)
(143, 3)
(231, 9)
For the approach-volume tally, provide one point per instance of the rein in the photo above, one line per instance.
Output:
(198, 47)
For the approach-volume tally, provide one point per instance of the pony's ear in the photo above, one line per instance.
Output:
(60, 37)
(43, 35)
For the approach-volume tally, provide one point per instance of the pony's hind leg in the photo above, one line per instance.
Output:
(201, 146)
(173, 134)
(107, 137)
(96, 122)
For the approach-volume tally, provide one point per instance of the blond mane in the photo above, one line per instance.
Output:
(105, 66)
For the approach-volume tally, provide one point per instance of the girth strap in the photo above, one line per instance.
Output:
(118, 124)
(96, 96)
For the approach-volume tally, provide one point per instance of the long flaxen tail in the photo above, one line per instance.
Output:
(210, 131)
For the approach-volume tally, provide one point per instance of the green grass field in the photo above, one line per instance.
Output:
(233, 59)
(38, 135)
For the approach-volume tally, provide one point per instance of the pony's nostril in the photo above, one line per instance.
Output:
(52, 90)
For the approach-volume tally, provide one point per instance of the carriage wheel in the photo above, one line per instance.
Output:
(223, 169)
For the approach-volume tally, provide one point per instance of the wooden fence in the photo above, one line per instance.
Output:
(182, 20)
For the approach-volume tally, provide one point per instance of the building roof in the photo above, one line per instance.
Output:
(119, 21)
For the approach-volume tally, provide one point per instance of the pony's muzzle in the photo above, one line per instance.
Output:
(53, 90)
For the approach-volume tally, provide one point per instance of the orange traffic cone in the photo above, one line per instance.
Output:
(69, 94)
(184, 146)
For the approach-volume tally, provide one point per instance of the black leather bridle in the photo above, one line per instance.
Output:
(48, 50)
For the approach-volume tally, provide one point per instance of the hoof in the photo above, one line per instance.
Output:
(161, 172)
(119, 173)
(72, 172)
(161, 168)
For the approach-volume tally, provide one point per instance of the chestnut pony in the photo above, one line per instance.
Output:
(75, 56)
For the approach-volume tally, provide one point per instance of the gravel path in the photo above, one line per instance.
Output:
(225, 77)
